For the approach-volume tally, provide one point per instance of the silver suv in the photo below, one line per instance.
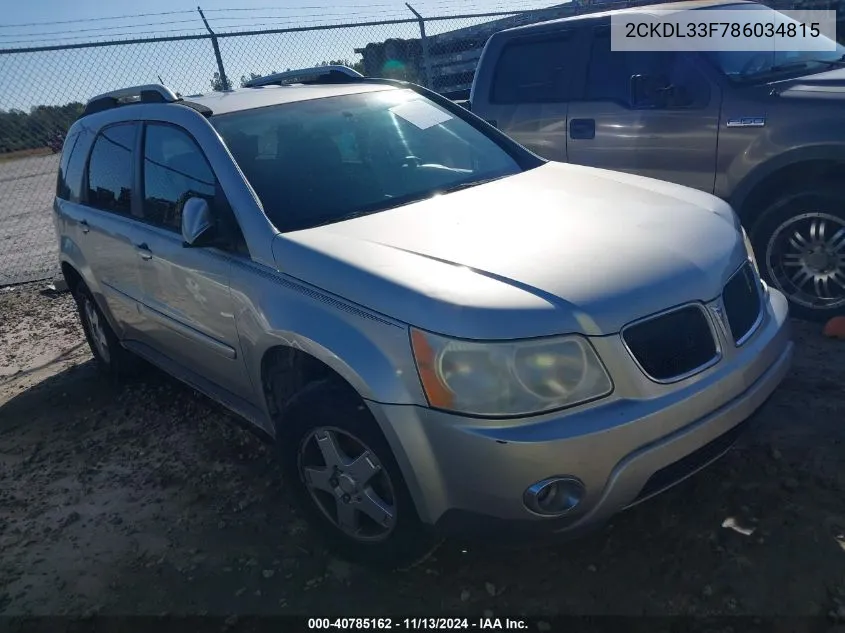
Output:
(442, 332)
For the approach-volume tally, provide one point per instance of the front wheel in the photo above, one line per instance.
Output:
(799, 242)
(344, 474)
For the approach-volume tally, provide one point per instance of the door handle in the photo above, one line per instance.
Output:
(582, 128)
(144, 251)
(83, 225)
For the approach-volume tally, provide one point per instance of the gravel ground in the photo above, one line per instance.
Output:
(146, 499)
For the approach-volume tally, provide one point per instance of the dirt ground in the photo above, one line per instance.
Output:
(146, 499)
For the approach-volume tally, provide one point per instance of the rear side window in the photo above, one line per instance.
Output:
(535, 71)
(110, 173)
(67, 151)
(72, 175)
(175, 169)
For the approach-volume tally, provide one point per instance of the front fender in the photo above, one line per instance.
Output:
(370, 351)
(760, 161)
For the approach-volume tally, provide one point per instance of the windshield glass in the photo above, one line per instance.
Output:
(750, 66)
(324, 160)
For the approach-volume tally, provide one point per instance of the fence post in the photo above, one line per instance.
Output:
(424, 43)
(223, 79)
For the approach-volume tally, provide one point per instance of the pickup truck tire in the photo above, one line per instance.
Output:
(110, 356)
(345, 477)
(799, 242)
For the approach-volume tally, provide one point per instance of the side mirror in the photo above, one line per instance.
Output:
(650, 91)
(196, 221)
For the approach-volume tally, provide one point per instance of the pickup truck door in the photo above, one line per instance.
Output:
(671, 138)
(531, 89)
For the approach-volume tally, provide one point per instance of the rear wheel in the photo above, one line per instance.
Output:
(799, 242)
(111, 357)
(345, 477)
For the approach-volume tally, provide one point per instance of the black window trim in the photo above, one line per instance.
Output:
(563, 35)
(83, 194)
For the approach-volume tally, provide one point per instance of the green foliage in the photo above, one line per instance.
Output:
(21, 130)
(217, 82)
(359, 65)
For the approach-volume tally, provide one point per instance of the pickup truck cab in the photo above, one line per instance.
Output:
(763, 131)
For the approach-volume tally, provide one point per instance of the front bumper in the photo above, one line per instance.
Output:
(465, 471)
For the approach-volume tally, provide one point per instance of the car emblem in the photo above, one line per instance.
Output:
(719, 313)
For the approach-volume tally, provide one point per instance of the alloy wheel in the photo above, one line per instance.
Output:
(805, 258)
(347, 482)
(97, 329)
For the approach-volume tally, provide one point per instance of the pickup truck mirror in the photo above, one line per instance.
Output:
(196, 222)
(650, 91)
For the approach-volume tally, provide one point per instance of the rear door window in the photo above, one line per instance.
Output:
(110, 169)
(536, 70)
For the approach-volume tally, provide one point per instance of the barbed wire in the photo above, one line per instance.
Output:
(223, 25)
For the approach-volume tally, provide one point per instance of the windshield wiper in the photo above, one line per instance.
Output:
(467, 185)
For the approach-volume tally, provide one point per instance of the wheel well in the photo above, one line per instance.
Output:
(786, 179)
(71, 275)
(286, 370)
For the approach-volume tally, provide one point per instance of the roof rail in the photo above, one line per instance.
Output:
(147, 93)
(319, 74)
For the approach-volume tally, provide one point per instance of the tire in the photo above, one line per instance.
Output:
(799, 242)
(327, 422)
(111, 357)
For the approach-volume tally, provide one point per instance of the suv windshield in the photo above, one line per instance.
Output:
(324, 160)
(751, 66)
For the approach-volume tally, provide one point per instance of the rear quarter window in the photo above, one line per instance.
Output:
(67, 151)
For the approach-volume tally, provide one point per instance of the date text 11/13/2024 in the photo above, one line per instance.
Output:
(417, 624)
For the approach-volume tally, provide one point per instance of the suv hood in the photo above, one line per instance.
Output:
(560, 248)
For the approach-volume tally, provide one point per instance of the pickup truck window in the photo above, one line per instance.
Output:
(756, 66)
(335, 158)
(609, 75)
(535, 70)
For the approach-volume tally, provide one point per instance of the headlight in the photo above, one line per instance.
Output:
(750, 251)
(508, 378)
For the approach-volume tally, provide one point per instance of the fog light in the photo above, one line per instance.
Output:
(555, 495)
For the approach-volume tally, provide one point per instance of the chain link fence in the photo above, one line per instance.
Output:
(45, 88)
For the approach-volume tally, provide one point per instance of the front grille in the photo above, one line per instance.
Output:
(742, 302)
(673, 344)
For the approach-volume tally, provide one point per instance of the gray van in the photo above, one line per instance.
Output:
(763, 131)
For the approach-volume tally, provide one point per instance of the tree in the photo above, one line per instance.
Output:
(247, 78)
(21, 130)
(359, 65)
(217, 82)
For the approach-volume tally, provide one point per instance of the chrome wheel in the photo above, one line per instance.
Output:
(96, 329)
(805, 258)
(348, 483)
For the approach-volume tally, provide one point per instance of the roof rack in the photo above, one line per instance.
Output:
(147, 93)
(319, 74)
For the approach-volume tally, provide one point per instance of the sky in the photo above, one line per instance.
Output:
(57, 77)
